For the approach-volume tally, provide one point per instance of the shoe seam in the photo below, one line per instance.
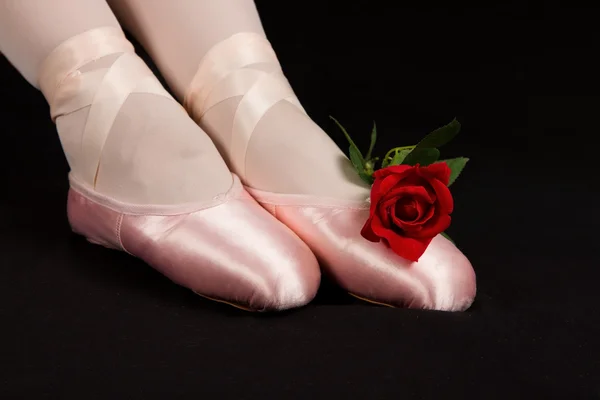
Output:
(118, 226)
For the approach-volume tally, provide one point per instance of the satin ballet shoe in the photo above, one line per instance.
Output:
(442, 279)
(227, 248)
(246, 66)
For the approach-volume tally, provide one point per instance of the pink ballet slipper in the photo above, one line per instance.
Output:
(442, 279)
(228, 249)
(245, 66)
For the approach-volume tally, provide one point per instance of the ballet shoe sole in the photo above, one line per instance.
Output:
(239, 307)
(371, 301)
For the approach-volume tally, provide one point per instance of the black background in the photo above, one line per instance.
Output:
(79, 321)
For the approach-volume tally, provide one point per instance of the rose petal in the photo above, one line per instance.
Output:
(386, 207)
(383, 212)
(399, 170)
(444, 196)
(409, 248)
(422, 197)
(388, 183)
(426, 212)
(388, 202)
(375, 194)
(409, 229)
(419, 181)
(437, 224)
(382, 187)
(380, 230)
(405, 209)
(367, 230)
(411, 191)
(389, 206)
(401, 244)
(414, 179)
(439, 170)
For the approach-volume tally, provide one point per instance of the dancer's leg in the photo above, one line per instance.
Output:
(30, 30)
(144, 177)
(154, 154)
(288, 152)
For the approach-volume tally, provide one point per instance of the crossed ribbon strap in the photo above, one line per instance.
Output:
(104, 90)
(243, 65)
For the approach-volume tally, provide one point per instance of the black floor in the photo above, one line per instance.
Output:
(82, 322)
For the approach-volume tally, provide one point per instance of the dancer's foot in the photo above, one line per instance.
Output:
(145, 179)
(241, 98)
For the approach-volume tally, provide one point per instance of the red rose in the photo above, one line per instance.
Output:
(409, 207)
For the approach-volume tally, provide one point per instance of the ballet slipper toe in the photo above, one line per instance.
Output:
(229, 250)
(442, 279)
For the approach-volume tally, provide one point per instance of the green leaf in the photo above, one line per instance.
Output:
(399, 157)
(422, 156)
(356, 156)
(456, 166)
(359, 166)
(373, 140)
(352, 144)
(357, 161)
(444, 234)
(440, 136)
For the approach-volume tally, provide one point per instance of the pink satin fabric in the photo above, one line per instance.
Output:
(443, 279)
(228, 249)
